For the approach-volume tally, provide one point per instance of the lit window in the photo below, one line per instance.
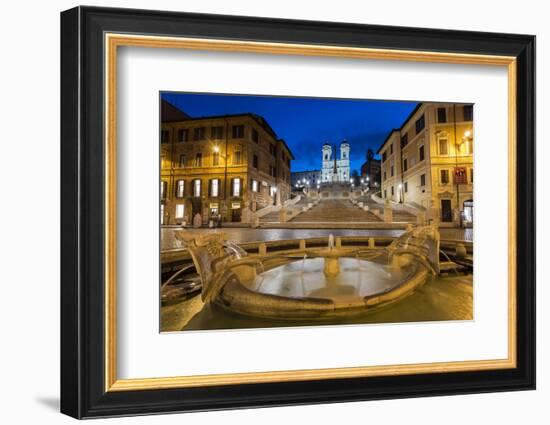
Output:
(163, 189)
(236, 187)
(215, 187)
(197, 188)
(161, 214)
(254, 185)
(182, 160)
(180, 208)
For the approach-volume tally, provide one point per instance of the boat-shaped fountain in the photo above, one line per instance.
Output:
(316, 283)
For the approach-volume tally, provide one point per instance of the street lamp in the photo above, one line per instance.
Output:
(400, 187)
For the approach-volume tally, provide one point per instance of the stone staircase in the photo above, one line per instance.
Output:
(403, 217)
(335, 211)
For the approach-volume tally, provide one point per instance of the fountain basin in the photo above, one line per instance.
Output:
(302, 290)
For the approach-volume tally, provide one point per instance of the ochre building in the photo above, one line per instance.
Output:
(220, 167)
(428, 163)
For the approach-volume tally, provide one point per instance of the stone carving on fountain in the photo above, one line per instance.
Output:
(211, 254)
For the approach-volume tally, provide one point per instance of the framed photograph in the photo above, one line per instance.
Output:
(261, 212)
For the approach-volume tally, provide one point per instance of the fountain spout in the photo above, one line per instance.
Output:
(331, 242)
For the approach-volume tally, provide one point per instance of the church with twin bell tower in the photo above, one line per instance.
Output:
(335, 169)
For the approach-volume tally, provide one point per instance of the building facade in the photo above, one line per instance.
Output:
(370, 171)
(300, 179)
(335, 169)
(428, 163)
(221, 167)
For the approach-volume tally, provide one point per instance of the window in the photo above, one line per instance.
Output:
(180, 208)
(255, 185)
(385, 176)
(237, 131)
(391, 170)
(198, 133)
(272, 171)
(272, 149)
(385, 193)
(404, 140)
(198, 159)
(384, 157)
(420, 124)
(164, 136)
(161, 214)
(180, 188)
(443, 146)
(163, 161)
(255, 136)
(468, 112)
(391, 148)
(216, 159)
(421, 153)
(406, 186)
(392, 191)
(197, 188)
(255, 161)
(405, 164)
(183, 135)
(441, 115)
(444, 174)
(217, 132)
(215, 188)
(182, 160)
(236, 191)
(423, 180)
(163, 186)
(471, 175)
(237, 158)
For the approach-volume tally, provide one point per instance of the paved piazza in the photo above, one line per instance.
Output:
(241, 235)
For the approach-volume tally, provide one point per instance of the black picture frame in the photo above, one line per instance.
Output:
(83, 392)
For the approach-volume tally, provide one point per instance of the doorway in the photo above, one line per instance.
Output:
(446, 211)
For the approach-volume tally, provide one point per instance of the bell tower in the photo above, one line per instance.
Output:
(327, 163)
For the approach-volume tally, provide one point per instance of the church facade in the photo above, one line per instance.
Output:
(335, 169)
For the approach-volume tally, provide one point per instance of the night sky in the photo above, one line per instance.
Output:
(306, 123)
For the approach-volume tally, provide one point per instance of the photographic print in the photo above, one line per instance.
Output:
(295, 211)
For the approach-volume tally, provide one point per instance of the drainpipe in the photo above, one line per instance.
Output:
(456, 166)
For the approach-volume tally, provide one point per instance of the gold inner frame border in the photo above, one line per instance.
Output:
(111, 43)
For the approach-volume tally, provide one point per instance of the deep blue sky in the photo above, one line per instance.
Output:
(306, 123)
